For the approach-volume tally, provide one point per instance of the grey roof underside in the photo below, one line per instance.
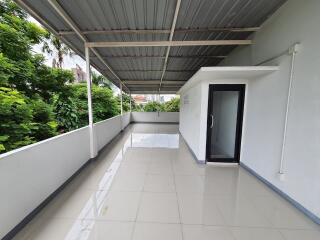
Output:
(156, 14)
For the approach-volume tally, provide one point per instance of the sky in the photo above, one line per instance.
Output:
(68, 63)
(71, 62)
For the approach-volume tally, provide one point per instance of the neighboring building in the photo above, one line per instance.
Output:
(155, 97)
(79, 74)
(140, 99)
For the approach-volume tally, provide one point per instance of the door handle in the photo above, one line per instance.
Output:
(212, 121)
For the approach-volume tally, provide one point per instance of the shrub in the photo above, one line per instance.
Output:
(43, 124)
(172, 106)
(16, 117)
(23, 120)
(66, 113)
(104, 104)
(153, 107)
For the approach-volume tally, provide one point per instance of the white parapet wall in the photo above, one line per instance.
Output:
(29, 175)
(126, 119)
(106, 130)
(155, 117)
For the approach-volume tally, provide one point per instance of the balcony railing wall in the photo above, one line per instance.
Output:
(31, 174)
(156, 117)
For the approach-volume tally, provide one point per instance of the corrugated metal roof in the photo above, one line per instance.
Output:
(146, 63)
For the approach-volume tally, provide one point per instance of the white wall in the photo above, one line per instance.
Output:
(296, 21)
(30, 174)
(193, 115)
(189, 123)
(33, 172)
(126, 119)
(106, 130)
(154, 117)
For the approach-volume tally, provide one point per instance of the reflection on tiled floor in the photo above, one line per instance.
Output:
(146, 185)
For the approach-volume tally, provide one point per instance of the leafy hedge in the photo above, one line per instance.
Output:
(23, 120)
(170, 106)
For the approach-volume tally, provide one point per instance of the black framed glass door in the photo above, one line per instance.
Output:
(224, 124)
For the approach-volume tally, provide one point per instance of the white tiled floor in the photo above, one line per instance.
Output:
(146, 185)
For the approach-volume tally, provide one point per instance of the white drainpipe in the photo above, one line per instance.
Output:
(293, 51)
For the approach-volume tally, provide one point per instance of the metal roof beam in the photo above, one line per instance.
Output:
(162, 57)
(141, 70)
(155, 86)
(168, 43)
(173, 26)
(163, 31)
(153, 92)
(150, 82)
(62, 13)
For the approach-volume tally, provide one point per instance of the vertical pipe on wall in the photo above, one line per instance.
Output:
(93, 150)
(293, 51)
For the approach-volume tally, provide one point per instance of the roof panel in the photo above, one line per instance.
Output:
(103, 15)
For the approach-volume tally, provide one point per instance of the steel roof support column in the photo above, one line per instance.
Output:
(92, 136)
(130, 103)
(121, 105)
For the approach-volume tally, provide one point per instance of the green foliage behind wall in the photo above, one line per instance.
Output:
(37, 101)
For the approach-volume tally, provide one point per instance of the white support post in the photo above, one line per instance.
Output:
(93, 149)
(130, 103)
(121, 106)
(121, 98)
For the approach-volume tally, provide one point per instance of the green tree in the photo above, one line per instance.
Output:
(54, 46)
(153, 107)
(126, 102)
(16, 117)
(27, 84)
(172, 106)
(100, 80)
(43, 124)
(137, 108)
(66, 113)
(104, 103)
(19, 68)
(23, 120)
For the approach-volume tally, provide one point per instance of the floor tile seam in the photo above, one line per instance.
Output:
(181, 223)
(203, 195)
(140, 199)
(148, 173)
(158, 191)
(158, 222)
(283, 235)
(220, 212)
(179, 212)
(242, 226)
(256, 207)
(184, 174)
